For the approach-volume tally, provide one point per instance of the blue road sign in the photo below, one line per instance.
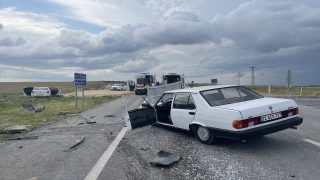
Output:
(80, 82)
(80, 76)
(80, 79)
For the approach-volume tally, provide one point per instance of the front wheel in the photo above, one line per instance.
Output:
(204, 135)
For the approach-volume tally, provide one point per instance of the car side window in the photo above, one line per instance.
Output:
(183, 101)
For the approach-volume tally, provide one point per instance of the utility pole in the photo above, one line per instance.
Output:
(289, 81)
(252, 76)
(239, 78)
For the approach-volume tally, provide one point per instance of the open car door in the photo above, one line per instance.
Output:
(141, 117)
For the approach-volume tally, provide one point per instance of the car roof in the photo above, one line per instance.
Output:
(199, 88)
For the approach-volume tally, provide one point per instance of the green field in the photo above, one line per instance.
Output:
(11, 97)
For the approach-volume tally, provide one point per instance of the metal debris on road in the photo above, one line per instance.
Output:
(92, 117)
(145, 148)
(78, 141)
(24, 138)
(80, 123)
(109, 116)
(166, 158)
(292, 175)
(90, 122)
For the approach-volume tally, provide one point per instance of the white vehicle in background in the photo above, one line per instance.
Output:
(40, 92)
(119, 87)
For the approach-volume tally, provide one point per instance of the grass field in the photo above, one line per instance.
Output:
(12, 114)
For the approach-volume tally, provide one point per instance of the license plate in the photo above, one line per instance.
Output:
(270, 117)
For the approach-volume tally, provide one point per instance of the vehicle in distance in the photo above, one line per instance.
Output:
(226, 111)
(119, 87)
(40, 91)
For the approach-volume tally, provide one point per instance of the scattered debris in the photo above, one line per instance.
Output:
(64, 113)
(109, 116)
(12, 131)
(90, 122)
(166, 158)
(3, 107)
(78, 141)
(24, 138)
(39, 108)
(29, 107)
(111, 133)
(292, 175)
(80, 123)
(92, 117)
(20, 147)
(145, 148)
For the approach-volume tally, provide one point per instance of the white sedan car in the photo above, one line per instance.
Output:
(219, 111)
(119, 87)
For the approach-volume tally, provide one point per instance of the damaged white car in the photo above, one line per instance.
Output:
(219, 111)
(119, 87)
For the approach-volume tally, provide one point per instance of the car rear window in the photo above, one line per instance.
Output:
(119, 84)
(38, 89)
(217, 97)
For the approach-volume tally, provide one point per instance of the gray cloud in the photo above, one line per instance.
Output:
(1, 26)
(8, 41)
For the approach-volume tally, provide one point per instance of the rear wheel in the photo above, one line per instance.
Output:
(204, 135)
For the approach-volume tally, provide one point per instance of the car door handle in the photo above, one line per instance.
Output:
(192, 113)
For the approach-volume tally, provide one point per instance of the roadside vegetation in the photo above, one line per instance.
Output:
(13, 116)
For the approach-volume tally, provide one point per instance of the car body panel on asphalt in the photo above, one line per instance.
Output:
(220, 111)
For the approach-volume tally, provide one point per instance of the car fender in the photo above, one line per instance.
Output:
(193, 123)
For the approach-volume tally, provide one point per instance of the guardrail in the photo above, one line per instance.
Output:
(155, 92)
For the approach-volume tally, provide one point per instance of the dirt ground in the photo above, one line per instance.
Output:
(99, 93)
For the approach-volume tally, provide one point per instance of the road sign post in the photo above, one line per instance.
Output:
(289, 81)
(79, 80)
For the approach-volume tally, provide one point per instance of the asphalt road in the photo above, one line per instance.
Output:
(284, 155)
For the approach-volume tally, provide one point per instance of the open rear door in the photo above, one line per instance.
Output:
(141, 117)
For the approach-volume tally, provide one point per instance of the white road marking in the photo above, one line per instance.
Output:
(96, 170)
(312, 142)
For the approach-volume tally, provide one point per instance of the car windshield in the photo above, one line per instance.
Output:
(140, 81)
(217, 97)
(119, 85)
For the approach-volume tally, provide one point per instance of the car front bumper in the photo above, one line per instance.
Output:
(259, 131)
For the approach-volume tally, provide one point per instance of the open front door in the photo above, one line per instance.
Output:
(142, 117)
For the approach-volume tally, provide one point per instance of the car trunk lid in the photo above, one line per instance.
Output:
(260, 107)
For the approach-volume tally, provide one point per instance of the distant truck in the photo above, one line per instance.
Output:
(141, 80)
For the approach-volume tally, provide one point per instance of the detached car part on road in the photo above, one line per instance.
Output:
(219, 111)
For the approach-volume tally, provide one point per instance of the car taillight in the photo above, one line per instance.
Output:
(291, 112)
(245, 123)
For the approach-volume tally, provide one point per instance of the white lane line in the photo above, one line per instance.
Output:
(312, 142)
(96, 170)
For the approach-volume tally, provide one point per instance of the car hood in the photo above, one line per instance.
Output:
(259, 107)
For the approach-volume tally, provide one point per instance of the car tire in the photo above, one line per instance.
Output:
(204, 135)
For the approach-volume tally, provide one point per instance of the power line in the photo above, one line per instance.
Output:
(252, 76)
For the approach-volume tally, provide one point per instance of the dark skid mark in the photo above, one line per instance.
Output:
(24, 138)
(109, 116)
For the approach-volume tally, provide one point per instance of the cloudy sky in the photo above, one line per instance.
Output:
(49, 40)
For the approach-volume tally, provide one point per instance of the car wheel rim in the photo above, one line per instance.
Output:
(203, 133)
